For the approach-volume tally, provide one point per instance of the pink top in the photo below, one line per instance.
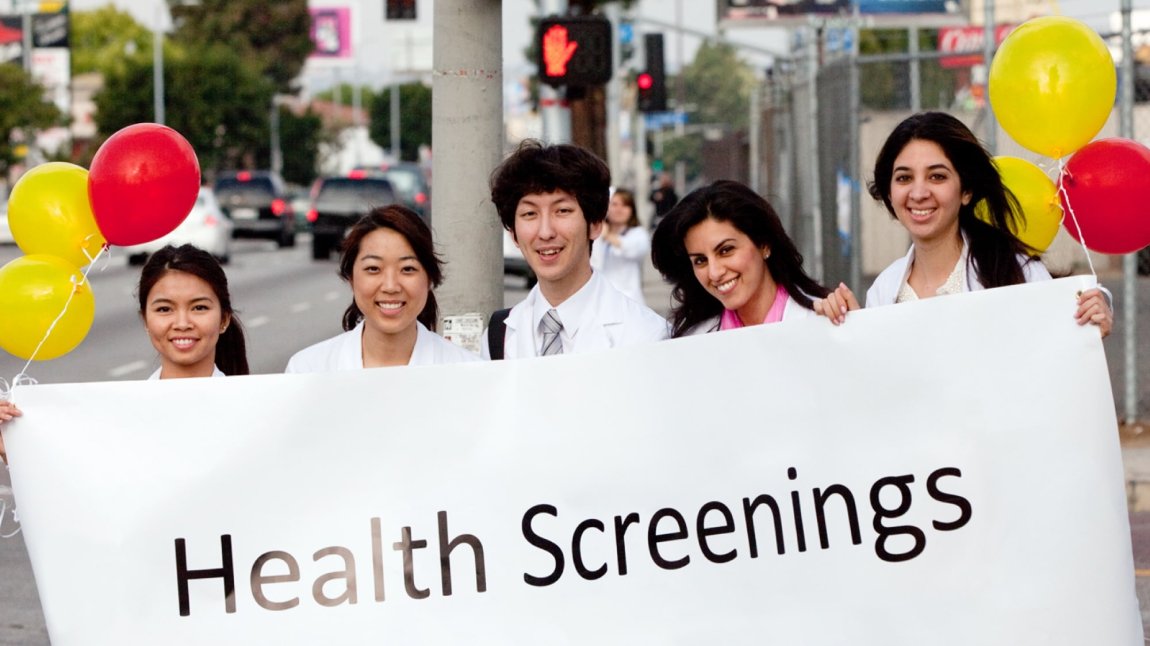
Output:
(731, 321)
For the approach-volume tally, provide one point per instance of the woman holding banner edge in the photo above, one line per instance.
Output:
(930, 174)
(186, 309)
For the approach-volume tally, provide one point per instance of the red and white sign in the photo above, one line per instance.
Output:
(967, 41)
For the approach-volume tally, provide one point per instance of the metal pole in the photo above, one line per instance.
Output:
(277, 151)
(988, 45)
(614, 95)
(854, 169)
(813, 142)
(915, 68)
(158, 66)
(1130, 261)
(467, 127)
(396, 149)
(754, 134)
(26, 26)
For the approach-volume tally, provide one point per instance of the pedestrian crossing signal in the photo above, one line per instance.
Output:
(575, 51)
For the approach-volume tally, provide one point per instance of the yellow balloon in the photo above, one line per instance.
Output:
(1052, 85)
(1037, 195)
(49, 213)
(33, 292)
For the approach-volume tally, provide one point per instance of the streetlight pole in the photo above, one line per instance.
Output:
(158, 64)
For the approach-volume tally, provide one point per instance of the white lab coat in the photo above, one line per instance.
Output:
(156, 375)
(884, 291)
(622, 266)
(610, 320)
(345, 352)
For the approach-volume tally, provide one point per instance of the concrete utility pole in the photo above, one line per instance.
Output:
(1130, 262)
(467, 128)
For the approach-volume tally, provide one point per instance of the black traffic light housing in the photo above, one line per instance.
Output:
(574, 50)
(400, 9)
(652, 82)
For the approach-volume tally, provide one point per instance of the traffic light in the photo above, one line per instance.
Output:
(652, 83)
(575, 50)
(400, 9)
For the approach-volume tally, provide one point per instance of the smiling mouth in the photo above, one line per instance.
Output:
(390, 306)
(921, 212)
(183, 343)
(548, 253)
(725, 288)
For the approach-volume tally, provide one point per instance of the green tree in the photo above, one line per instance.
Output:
(219, 104)
(274, 36)
(886, 85)
(21, 106)
(299, 140)
(414, 119)
(105, 39)
(717, 91)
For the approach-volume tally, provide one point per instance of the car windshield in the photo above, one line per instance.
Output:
(235, 190)
(353, 194)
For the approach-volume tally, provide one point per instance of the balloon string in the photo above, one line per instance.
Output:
(1070, 209)
(17, 381)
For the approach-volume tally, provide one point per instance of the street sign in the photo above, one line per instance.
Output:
(660, 120)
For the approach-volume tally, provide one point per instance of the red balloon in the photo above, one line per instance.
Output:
(143, 183)
(1107, 184)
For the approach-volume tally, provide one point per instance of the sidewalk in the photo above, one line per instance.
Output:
(1135, 440)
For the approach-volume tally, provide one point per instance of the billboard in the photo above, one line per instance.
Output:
(756, 12)
(331, 33)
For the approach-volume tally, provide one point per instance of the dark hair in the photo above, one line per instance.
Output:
(724, 201)
(408, 224)
(231, 348)
(629, 199)
(993, 248)
(538, 168)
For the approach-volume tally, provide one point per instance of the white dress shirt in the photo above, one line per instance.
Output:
(622, 266)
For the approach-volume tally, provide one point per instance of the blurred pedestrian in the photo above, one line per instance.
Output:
(930, 174)
(389, 261)
(620, 252)
(664, 197)
(731, 263)
(554, 199)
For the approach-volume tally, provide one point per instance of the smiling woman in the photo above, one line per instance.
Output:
(390, 262)
(187, 311)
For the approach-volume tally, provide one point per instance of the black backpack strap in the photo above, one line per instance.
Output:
(496, 332)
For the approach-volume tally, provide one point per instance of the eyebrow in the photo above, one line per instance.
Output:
(717, 245)
(164, 300)
(931, 167)
(382, 259)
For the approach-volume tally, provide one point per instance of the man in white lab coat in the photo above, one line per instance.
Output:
(553, 199)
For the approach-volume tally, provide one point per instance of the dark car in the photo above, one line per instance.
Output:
(339, 202)
(257, 202)
(410, 185)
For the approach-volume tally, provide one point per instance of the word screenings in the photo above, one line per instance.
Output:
(762, 519)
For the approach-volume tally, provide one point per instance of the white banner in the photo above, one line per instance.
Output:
(942, 472)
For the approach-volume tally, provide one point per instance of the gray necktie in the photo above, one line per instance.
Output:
(552, 344)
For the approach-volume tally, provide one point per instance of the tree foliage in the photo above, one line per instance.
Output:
(886, 85)
(274, 36)
(414, 119)
(105, 39)
(216, 101)
(299, 139)
(22, 105)
(717, 91)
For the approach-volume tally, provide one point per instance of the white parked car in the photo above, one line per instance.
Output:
(206, 227)
(5, 230)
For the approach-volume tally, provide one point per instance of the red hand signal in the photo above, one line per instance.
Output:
(557, 50)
